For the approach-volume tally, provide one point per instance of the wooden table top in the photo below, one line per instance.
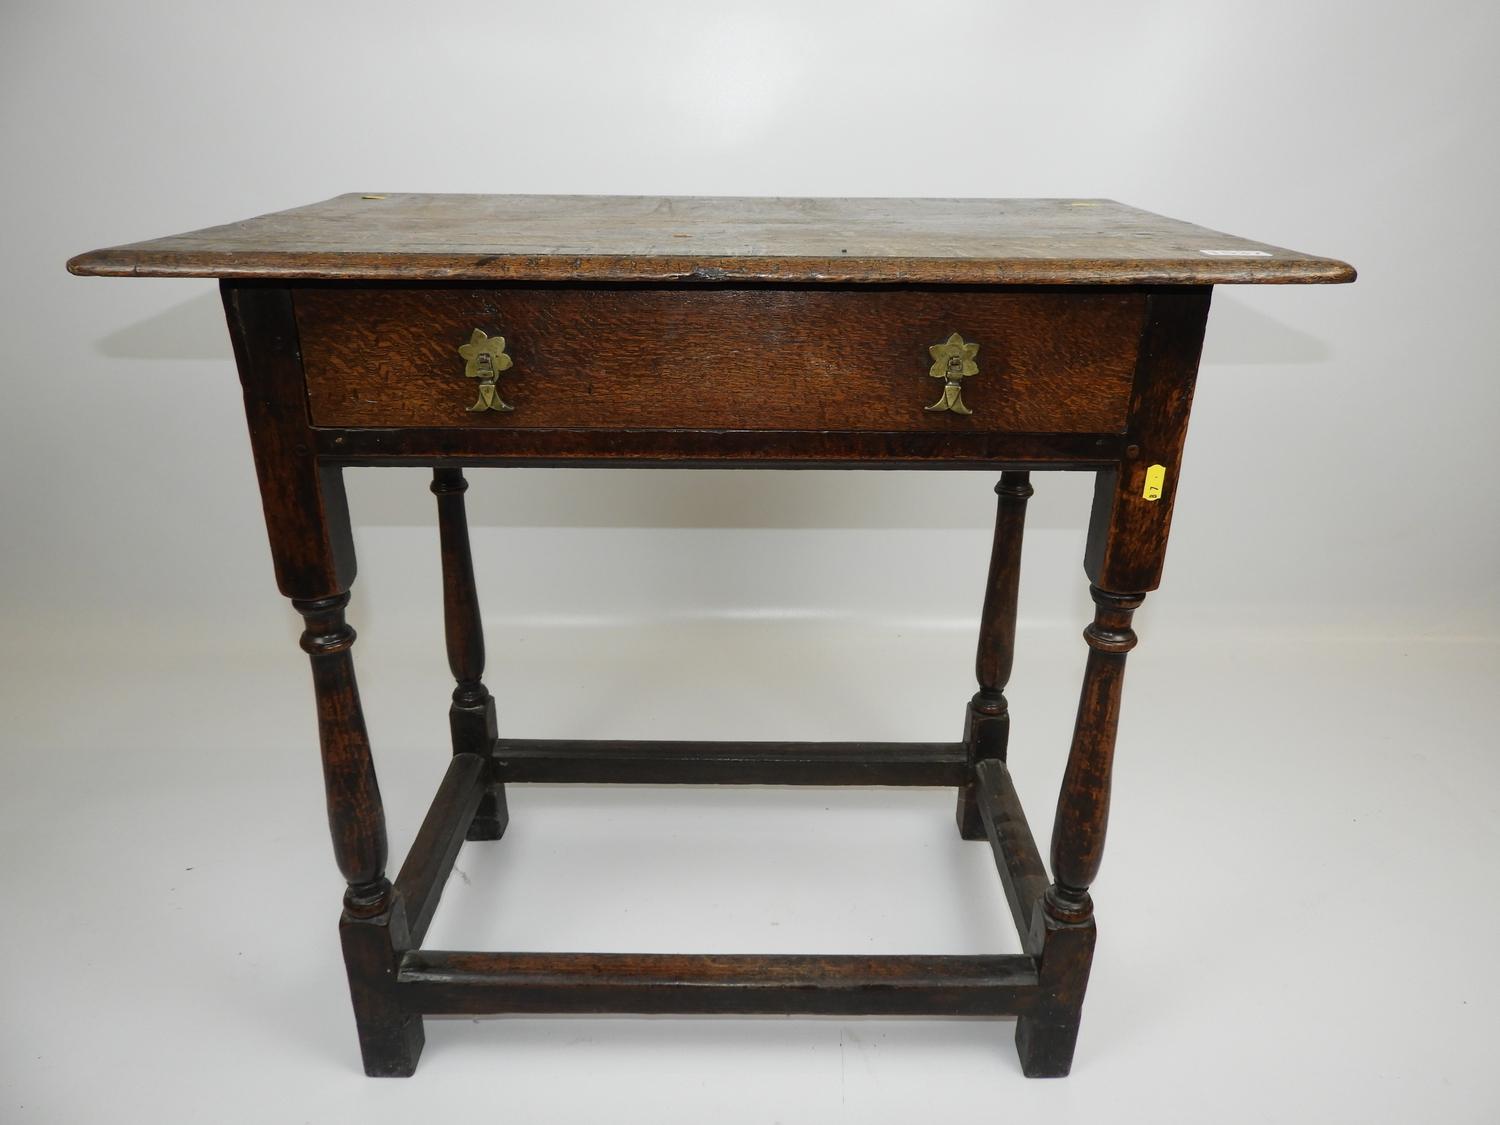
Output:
(402, 237)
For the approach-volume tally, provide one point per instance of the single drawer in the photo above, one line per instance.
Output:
(702, 357)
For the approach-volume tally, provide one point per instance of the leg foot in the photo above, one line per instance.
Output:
(390, 1049)
(390, 1038)
(986, 731)
(1046, 1049)
(1064, 930)
(491, 818)
(969, 826)
(472, 718)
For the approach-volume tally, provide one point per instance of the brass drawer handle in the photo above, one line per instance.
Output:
(484, 359)
(953, 362)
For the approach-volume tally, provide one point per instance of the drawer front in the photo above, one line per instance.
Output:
(814, 359)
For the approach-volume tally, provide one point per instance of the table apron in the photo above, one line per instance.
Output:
(717, 449)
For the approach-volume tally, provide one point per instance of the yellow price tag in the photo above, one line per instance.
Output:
(1156, 476)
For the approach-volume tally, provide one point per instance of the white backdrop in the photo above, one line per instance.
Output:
(1339, 476)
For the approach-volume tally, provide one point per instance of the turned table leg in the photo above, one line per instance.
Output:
(312, 548)
(373, 926)
(1127, 543)
(987, 726)
(1064, 928)
(472, 713)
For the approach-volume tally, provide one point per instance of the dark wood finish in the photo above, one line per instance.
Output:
(307, 520)
(312, 549)
(1047, 1035)
(645, 357)
(1126, 547)
(1016, 855)
(1064, 926)
(1127, 540)
(372, 926)
(399, 237)
(987, 722)
(690, 449)
(733, 763)
(355, 814)
(390, 1036)
(701, 332)
(471, 715)
(1083, 805)
(307, 515)
(448, 819)
(651, 983)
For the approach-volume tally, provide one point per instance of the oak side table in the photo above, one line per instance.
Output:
(456, 330)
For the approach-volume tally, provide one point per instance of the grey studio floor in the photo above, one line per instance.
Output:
(1296, 910)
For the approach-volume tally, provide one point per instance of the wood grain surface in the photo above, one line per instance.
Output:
(445, 982)
(810, 358)
(380, 236)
